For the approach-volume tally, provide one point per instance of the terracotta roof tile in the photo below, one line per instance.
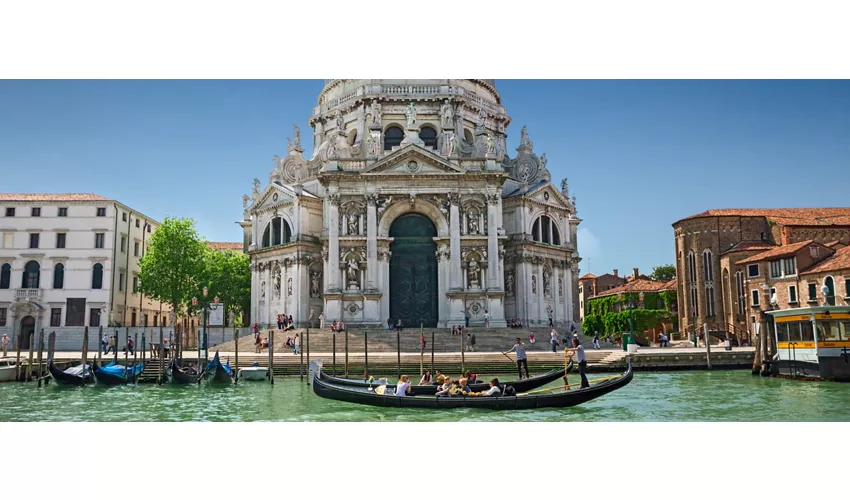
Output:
(836, 216)
(838, 262)
(781, 251)
(225, 245)
(833, 244)
(641, 285)
(52, 197)
(587, 276)
(750, 246)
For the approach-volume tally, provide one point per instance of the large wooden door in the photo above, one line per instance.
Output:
(413, 271)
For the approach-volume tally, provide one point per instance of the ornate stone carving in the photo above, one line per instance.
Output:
(353, 224)
(454, 198)
(560, 287)
(383, 205)
(493, 198)
(375, 113)
(547, 286)
(534, 285)
(481, 122)
(412, 199)
(371, 199)
(325, 253)
(333, 198)
(289, 287)
(276, 281)
(447, 114)
(245, 201)
(543, 161)
(263, 290)
(410, 113)
(472, 274)
(472, 223)
(412, 166)
(443, 252)
(491, 146)
(523, 137)
(353, 274)
(509, 282)
(295, 142)
(256, 191)
(340, 123)
(315, 283)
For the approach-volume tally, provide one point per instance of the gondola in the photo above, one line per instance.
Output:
(181, 376)
(115, 374)
(70, 376)
(217, 372)
(522, 385)
(522, 401)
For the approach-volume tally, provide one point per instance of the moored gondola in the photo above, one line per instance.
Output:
(216, 372)
(71, 376)
(522, 385)
(181, 376)
(555, 398)
(114, 374)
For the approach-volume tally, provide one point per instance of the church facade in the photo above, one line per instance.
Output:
(410, 207)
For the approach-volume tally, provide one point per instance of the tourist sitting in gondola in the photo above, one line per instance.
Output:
(441, 379)
(447, 389)
(403, 387)
(495, 390)
(463, 383)
(471, 377)
(426, 378)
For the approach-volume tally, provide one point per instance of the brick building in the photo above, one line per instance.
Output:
(725, 258)
(589, 285)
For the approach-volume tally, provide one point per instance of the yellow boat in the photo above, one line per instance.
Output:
(812, 342)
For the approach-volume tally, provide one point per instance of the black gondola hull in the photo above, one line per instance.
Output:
(62, 378)
(218, 375)
(178, 376)
(107, 379)
(521, 402)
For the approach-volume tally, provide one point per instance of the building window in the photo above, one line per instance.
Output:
(772, 295)
(755, 298)
(101, 212)
(75, 312)
(145, 320)
(739, 279)
(429, 137)
(133, 319)
(123, 244)
(155, 319)
(36, 212)
(544, 230)
(34, 240)
(814, 251)
(124, 216)
(2, 316)
(692, 275)
(694, 302)
(392, 138)
(776, 269)
(789, 266)
(847, 292)
(60, 240)
(59, 276)
(94, 317)
(813, 292)
(136, 249)
(63, 212)
(135, 284)
(56, 316)
(149, 228)
(5, 276)
(97, 277)
(707, 269)
(753, 271)
(709, 301)
(121, 282)
(137, 222)
(99, 240)
(32, 272)
(10, 211)
(792, 294)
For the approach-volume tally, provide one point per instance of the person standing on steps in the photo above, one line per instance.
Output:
(297, 344)
(466, 318)
(582, 362)
(521, 360)
(312, 318)
(470, 342)
(551, 323)
(486, 319)
(596, 341)
(554, 340)
(389, 324)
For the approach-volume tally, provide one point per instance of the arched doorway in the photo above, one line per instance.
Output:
(27, 328)
(830, 295)
(413, 271)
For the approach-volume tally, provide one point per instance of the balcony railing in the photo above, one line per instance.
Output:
(29, 293)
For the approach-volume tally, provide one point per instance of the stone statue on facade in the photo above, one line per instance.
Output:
(509, 283)
(472, 273)
(340, 123)
(353, 273)
(375, 112)
(543, 161)
(560, 287)
(481, 122)
(524, 172)
(289, 287)
(352, 225)
(295, 142)
(547, 287)
(382, 205)
(245, 201)
(447, 114)
(565, 189)
(315, 278)
(410, 113)
(523, 136)
(256, 191)
(472, 224)
(276, 284)
(331, 152)
(263, 290)
(534, 284)
(491, 146)
(376, 142)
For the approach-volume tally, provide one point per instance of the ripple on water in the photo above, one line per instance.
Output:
(671, 396)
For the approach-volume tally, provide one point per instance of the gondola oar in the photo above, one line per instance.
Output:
(565, 386)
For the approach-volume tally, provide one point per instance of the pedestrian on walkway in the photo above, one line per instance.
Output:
(389, 324)
(582, 362)
(297, 344)
(4, 342)
(554, 340)
(521, 360)
(112, 345)
(131, 346)
(596, 341)
(551, 323)
(486, 319)
(470, 341)
(104, 343)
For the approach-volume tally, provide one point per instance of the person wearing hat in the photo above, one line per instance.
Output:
(4, 341)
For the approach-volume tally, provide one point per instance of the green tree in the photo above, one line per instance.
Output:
(172, 263)
(227, 275)
(663, 273)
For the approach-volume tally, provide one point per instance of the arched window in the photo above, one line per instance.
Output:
(97, 277)
(267, 236)
(277, 233)
(5, 276)
(429, 137)
(392, 137)
(32, 273)
(707, 268)
(545, 230)
(59, 276)
(830, 286)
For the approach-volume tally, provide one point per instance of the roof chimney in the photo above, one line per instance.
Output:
(615, 273)
(635, 273)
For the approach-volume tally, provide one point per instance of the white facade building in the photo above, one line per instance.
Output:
(68, 261)
(410, 207)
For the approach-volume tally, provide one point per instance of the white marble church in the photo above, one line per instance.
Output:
(410, 207)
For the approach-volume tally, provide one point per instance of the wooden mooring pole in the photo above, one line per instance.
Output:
(398, 352)
(333, 341)
(51, 351)
(161, 349)
(135, 356)
(366, 353)
(126, 351)
(308, 350)
(29, 363)
(236, 350)
(346, 354)
(707, 346)
(421, 350)
(432, 353)
(18, 371)
(100, 347)
(271, 357)
(85, 349)
(301, 362)
(40, 353)
(462, 352)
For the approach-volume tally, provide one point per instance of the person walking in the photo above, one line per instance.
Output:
(131, 346)
(553, 340)
(596, 341)
(104, 343)
(466, 317)
(486, 319)
(551, 323)
(4, 343)
(312, 318)
(297, 344)
(112, 343)
(521, 360)
(582, 362)
(389, 324)
(398, 325)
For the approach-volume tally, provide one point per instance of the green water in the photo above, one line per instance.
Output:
(671, 396)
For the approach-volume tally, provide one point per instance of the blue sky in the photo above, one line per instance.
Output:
(639, 155)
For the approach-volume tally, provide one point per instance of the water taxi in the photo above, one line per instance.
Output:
(812, 342)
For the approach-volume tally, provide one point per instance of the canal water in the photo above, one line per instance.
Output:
(716, 396)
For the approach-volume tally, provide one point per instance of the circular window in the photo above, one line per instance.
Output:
(412, 166)
(274, 197)
(546, 196)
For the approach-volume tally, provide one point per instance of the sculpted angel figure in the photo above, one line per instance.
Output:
(245, 200)
(491, 146)
(523, 136)
(256, 187)
(473, 223)
(410, 113)
(472, 273)
(447, 113)
(314, 283)
(352, 271)
(509, 283)
(352, 224)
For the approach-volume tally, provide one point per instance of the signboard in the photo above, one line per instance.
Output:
(216, 317)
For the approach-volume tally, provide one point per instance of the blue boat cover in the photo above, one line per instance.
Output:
(118, 370)
(215, 361)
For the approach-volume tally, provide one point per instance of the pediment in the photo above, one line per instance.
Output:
(274, 195)
(413, 160)
(549, 195)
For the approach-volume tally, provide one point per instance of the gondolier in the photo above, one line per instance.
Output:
(5, 344)
(521, 360)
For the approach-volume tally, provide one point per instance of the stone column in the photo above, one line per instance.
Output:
(255, 292)
(333, 242)
(568, 291)
(255, 222)
(541, 293)
(493, 282)
(527, 272)
(556, 309)
(454, 233)
(371, 242)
